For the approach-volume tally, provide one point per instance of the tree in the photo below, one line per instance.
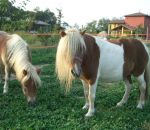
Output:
(65, 24)
(92, 27)
(16, 18)
(76, 26)
(5, 7)
(97, 26)
(9, 13)
(46, 16)
(59, 19)
(139, 30)
(103, 25)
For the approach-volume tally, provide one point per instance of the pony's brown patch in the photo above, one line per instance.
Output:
(30, 88)
(90, 61)
(114, 41)
(135, 57)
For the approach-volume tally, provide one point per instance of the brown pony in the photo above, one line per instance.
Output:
(91, 58)
(15, 55)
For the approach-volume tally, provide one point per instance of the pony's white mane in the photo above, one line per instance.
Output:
(18, 55)
(68, 46)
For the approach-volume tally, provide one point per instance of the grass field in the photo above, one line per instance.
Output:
(58, 110)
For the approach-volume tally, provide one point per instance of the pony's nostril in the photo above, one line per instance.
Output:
(75, 74)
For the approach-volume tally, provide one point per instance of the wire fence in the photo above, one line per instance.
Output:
(42, 47)
(50, 40)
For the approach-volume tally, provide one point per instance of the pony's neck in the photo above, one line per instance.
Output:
(17, 54)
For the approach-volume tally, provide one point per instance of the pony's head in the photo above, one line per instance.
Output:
(30, 82)
(70, 52)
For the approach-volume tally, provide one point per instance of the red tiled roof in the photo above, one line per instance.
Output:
(136, 14)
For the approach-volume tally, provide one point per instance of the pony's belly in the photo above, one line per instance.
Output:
(111, 66)
(111, 72)
(111, 76)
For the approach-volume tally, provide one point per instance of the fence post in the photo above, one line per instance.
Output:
(147, 33)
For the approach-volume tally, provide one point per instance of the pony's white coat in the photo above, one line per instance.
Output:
(111, 61)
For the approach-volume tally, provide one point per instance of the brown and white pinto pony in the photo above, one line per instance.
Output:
(91, 58)
(15, 56)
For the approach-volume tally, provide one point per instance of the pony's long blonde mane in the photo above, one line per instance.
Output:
(68, 46)
(31, 73)
(19, 58)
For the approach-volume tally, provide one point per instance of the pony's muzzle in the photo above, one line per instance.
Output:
(32, 103)
(76, 70)
(75, 74)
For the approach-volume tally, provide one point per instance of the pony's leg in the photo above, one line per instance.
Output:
(126, 94)
(142, 87)
(86, 93)
(91, 97)
(1, 75)
(5, 89)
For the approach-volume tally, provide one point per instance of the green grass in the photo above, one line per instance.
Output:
(43, 56)
(58, 110)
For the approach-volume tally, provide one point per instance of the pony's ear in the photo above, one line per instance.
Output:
(38, 70)
(82, 32)
(62, 33)
(25, 72)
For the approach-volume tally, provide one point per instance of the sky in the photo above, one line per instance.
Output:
(82, 12)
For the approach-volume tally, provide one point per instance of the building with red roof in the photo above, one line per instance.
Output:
(135, 23)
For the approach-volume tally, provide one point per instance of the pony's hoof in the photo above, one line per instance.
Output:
(85, 107)
(140, 106)
(5, 92)
(119, 104)
(89, 115)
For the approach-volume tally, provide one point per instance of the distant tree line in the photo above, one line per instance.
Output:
(16, 18)
(97, 26)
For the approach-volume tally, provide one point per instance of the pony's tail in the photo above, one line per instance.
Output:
(147, 76)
